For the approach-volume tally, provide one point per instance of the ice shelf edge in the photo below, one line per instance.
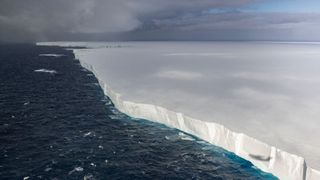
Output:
(268, 158)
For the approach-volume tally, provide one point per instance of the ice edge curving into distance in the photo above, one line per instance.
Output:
(268, 158)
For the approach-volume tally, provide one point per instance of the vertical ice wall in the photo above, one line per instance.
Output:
(268, 158)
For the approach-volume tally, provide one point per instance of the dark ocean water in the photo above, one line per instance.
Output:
(59, 125)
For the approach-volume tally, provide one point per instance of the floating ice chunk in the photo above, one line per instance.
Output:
(106, 161)
(25, 178)
(46, 71)
(26, 103)
(92, 164)
(52, 55)
(100, 147)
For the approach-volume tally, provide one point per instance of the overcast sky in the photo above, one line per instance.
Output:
(50, 20)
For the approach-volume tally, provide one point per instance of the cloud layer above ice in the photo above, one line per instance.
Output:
(31, 20)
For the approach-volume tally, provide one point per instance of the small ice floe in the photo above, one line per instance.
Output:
(185, 137)
(76, 169)
(93, 165)
(25, 178)
(52, 55)
(100, 147)
(26, 103)
(106, 161)
(46, 71)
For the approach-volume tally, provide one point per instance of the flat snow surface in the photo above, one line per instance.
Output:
(269, 91)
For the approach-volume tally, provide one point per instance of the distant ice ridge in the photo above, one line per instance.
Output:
(70, 44)
(46, 71)
(268, 158)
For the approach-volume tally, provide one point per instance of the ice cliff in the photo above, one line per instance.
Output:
(269, 158)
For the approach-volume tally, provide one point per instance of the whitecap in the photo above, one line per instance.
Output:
(76, 169)
(48, 169)
(79, 169)
(113, 117)
(87, 134)
(88, 177)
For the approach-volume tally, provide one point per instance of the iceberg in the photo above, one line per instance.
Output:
(51, 55)
(46, 71)
(257, 99)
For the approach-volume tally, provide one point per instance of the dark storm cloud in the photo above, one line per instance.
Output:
(241, 26)
(34, 20)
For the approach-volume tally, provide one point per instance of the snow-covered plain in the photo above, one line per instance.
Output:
(268, 91)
